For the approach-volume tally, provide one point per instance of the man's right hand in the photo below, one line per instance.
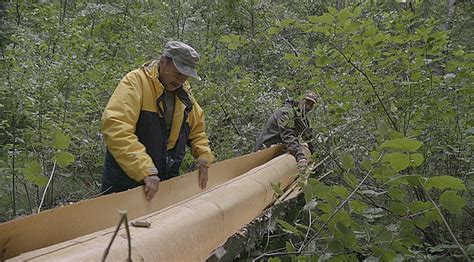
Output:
(302, 165)
(151, 186)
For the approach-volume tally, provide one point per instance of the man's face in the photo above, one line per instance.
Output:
(169, 76)
(307, 105)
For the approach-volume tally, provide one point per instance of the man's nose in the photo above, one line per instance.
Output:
(181, 77)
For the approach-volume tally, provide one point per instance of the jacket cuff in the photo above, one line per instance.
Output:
(300, 156)
(205, 159)
(149, 172)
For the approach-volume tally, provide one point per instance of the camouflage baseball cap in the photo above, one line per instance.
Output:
(183, 56)
(310, 95)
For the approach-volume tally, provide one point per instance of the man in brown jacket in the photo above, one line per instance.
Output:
(288, 125)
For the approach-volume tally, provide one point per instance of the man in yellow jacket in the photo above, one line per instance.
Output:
(149, 120)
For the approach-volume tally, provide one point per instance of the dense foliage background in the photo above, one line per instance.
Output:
(394, 123)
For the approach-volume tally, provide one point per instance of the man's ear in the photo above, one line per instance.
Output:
(162, 59)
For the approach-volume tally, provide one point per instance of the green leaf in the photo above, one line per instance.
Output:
(308, 192)
(459, 52)
(392, 134)
(419, 206)
(398, 180)
(416, 180)
(445, 182)
(345, 14)
(350, 179)
(416, 159)
(433, 215)
(341, 191)
(61, 140)
(225, 39)
(290, 247)
(38, 180)
(422, 222)
(233, 45)
(345, 235)
(358, 206)
(288, 21)
(324, 19)
(405, 144)
(343, 217)
(33, 174)
(313, 182)
(398, 208)
(33, 168)
(335, 246)
(396, 193)
(289, 228)
(452, 202)
(350, 27)
(366, 164)
(332, 10)
(63, 158)
(397, 161)
(277, 189)
(470, 249)
(326, 208)
(347, 161)
(383, 129)
(273, 30)
(375, 156)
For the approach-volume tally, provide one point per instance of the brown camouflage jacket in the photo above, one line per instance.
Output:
(286, 126)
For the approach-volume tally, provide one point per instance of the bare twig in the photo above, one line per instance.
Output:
(310, 223)
(47, 185)
(323, 176)
(124, 220)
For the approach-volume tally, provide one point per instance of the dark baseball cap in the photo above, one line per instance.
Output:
(183, 56)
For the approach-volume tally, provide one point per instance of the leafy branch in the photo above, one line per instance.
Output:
(348, 60)
(335, 212)
(447, 225)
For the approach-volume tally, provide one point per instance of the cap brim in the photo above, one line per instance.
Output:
(310, 99)
(186, 70)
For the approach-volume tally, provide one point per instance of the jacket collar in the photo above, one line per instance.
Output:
(151, 70)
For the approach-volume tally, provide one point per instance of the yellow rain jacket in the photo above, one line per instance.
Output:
(135, 131)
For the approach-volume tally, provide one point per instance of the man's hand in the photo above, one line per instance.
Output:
(203, 176)
(302, 165)
(203, 169)
(151, 186)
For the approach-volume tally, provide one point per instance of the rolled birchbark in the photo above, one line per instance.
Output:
(65, 223)
(186, 231)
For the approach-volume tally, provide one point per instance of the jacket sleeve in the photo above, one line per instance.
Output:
(118, 127)
(197, 136)
(288, 136)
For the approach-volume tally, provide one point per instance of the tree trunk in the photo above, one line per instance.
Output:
(451, 4)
